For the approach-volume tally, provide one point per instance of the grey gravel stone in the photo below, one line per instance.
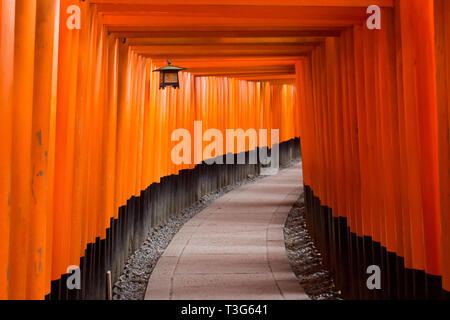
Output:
(305, 259)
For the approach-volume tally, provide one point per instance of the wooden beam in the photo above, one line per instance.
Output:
(299, 3)
(223, 41)
(164, 34)
(166, 52)
(187, 18)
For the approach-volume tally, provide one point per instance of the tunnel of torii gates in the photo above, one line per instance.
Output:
(85, 146)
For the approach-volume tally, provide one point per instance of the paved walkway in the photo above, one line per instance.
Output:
(233, 249)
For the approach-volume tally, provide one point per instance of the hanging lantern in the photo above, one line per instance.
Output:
(168, 76)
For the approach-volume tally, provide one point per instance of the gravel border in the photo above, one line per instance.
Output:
(304, 257)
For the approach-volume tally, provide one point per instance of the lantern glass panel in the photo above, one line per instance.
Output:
(171, 78)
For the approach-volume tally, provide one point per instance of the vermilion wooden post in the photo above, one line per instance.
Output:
(389, 133)
(7, 34)
(21, 193)
(442, 25)
(43, 125)
(362, 131)
(419, 81)
(64, 144)
(403, 173)
(146, 157)
(345, 130)
(110, 130)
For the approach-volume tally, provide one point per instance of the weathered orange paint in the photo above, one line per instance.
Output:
(442, 27)
(21, 179)
(7, 34)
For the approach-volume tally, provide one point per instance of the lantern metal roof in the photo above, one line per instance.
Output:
(169, 68)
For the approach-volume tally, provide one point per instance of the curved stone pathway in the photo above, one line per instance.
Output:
(234, 249)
